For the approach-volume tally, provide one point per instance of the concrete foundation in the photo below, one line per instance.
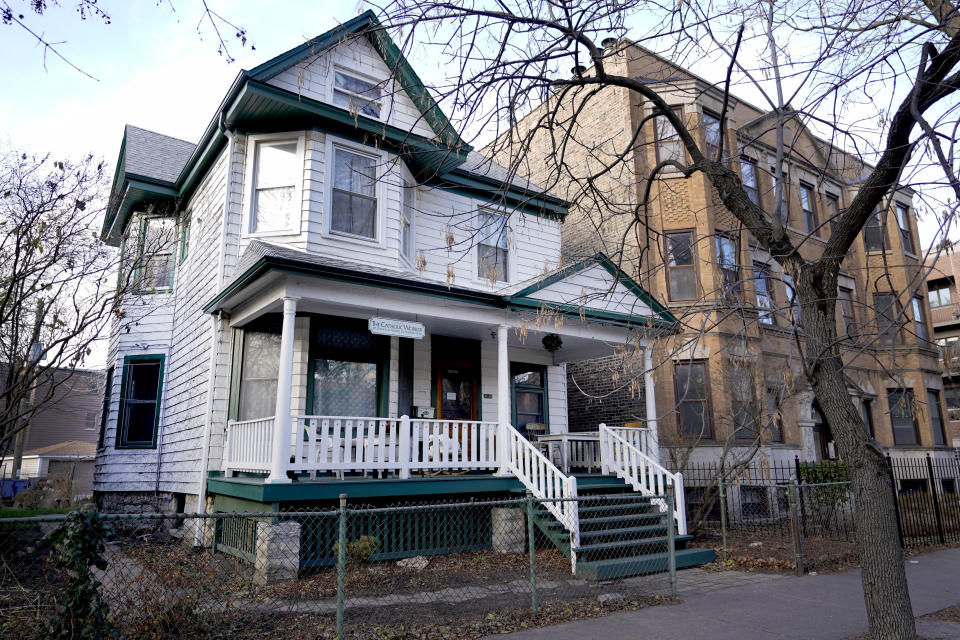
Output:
(278, 552)
(509, 530)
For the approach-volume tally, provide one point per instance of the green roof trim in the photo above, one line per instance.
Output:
(665, 317)
(267, 264)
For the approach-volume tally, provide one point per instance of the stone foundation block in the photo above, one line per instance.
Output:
(278, 552)
(509, 529)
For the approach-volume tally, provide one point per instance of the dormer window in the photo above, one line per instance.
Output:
(275, 177)
(356, 95)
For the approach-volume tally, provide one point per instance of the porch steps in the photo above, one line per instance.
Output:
(620, 537)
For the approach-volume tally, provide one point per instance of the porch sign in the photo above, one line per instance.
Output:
(399, 328)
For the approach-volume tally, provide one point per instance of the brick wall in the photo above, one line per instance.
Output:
(610, 391)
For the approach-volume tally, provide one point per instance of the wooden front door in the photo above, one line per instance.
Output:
(456, 388)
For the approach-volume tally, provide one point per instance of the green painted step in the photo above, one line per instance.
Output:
(632, 543)
(626, 531)
(601, 520)
(640, 565)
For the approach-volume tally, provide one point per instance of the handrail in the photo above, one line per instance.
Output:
(545, 481)
(643, 473)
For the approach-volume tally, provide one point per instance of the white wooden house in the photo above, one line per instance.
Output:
(351, 300)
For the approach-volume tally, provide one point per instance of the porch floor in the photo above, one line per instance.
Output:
(330, 488)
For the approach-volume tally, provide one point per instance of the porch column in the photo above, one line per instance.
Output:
(649, 394)
(503, 395)
(282, 428)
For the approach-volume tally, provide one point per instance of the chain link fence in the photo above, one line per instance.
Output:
(445, 570)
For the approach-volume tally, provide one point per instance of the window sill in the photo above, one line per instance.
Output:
(351, 238)
(910, 254)
(152, 292)
(878, 252)
(132, 447)
(269, 234)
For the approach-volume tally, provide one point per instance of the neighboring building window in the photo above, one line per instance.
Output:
(140, 392)
(920, 322)
(743, 403)
(809, 208)
(754, 502)
(407, 216)
(874, 235)
(774, 417)
(354, 194)
(259, 370)
(711, 134)
(155, 254)
(903, 221)
(785, 202)
(105, 408)
(727, 261)
(668, 142)
(185, 236)
(748, 176)
(792, 299)
(845, 300)
(939, 295)
(936, 418)
(492, 247)
(274, 205)
(681, 271)
(355, 94)
(693, 400)
(888, 312)
(901, 416)
(763, 284)
(867, 407)
(833, 210)
(949, 351)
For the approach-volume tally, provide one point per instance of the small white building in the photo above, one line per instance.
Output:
(346, 298)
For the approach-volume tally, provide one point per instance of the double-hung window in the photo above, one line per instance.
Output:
(743, 403)
(185, 236)
(792, 299)
(140, 392)
(867, 407)
(155, 255)
(784, 208)
(920, 322)
(407, 216)
(492, 247)
(260, 364)
(727, 262)
(274, 202)
(774, 417)
(667, 139)
(833, 210)
(888, 322)
(939, 294)
(748, 176)
(901, 416)
(359, 96)
(936, 417)
(845, 300)
(903, 221)
(711, 134)
(693, 400)
(763, 285)
(354, 194)
(681, 270)
(874, 233)
(809, 208)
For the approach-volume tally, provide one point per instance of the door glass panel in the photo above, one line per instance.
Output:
(456, 394)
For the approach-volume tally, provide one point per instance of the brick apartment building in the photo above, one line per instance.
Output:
(944, 301)
(719, 390)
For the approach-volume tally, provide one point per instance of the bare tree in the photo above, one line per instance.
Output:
(878, 84)
(59, 285)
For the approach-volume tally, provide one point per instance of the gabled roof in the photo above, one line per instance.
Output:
(253, 105)
(260, 258)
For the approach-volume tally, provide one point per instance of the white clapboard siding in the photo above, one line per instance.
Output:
(593, 287)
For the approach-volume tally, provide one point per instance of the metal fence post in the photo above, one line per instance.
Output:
(723, 519)
(341, 564)
(795, 529)
(936, 502)
(803, 508)
(896, 500)
(531, 546)
(671, 544)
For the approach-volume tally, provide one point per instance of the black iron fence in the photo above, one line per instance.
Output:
(770, 503)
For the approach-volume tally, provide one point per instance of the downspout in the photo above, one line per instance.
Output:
(215, 323)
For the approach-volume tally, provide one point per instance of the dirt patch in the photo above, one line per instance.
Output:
(950, 614)
(773, 553)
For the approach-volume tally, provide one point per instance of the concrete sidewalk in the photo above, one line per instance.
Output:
(827, 607)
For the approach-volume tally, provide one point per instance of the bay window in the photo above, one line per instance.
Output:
(354, 194)
(492, 247)
(277, 171)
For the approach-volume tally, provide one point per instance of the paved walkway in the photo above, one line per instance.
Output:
(827, 607)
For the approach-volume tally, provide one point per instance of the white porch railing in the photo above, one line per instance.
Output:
(641, 472)
(250, 445)
(546, 482)
(637, 436)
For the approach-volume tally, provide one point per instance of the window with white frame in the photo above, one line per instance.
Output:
(356, 94)
(155, 253)
(407, 214)
(492, 247)
(354, 194)
(274, 201)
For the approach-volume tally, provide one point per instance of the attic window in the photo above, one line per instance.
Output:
(357, 95)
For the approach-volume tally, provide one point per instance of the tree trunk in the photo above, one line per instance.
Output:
(883, 573)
